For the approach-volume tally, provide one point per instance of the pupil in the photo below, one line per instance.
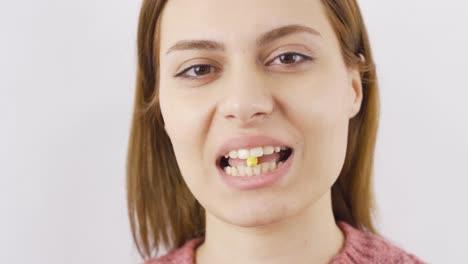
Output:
(287, 58)
(202, 69)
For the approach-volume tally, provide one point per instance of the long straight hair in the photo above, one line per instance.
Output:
(162, 211)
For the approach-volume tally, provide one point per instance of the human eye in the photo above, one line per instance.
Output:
(290, 59)
(196, 71)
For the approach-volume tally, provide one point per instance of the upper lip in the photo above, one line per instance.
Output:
(248, 142)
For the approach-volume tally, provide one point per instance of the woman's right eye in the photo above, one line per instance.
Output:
(193, 72)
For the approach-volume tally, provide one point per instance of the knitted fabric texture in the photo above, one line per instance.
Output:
(359, 247)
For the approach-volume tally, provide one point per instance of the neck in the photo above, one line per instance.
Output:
(311, 236)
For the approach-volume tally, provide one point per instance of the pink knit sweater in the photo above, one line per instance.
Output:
(359, 247)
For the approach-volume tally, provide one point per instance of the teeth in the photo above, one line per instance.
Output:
(255, 152)
(272, 165)
(234, 171)
(268, 150)
(233, 154)
(248, 171)
(256, 170)
(243, 153)
(241, 170)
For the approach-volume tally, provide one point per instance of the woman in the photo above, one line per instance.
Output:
(253, 134)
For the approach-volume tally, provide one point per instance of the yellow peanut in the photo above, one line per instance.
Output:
(252, 161)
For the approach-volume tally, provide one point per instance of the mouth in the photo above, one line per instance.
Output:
(253, 162)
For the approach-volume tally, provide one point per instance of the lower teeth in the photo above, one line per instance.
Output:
(251, 171)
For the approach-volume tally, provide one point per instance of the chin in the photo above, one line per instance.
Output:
(256, 215)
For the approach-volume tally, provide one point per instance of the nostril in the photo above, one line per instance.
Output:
(230, 116)
(259, 115)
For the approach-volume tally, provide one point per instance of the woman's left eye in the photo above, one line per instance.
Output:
(290, 58)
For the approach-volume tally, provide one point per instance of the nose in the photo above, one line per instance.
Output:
(247, 98)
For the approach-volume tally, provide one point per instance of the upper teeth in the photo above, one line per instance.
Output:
(254, 152)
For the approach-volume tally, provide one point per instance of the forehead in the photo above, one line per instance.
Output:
(238, 21)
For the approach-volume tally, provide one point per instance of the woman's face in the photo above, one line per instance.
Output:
(257, 83)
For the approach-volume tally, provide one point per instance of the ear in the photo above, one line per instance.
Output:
(355, 89)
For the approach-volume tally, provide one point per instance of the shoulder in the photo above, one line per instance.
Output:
(182, 255)
(365, 247)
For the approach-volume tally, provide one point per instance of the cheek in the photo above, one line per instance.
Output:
(186, 116)
(319, 111)
(317, 102)
(177, 106)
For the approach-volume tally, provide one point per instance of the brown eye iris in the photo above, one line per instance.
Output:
(202, 69)
(288, 58)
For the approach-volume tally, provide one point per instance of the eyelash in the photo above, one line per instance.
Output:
(304, 58)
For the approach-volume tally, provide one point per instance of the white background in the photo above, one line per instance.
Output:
(67, 70)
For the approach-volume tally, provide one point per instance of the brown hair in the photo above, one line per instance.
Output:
(162, 210)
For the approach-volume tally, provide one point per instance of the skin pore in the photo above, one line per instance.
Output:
(258, 68)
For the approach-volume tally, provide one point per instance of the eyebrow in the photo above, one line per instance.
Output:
(264, 39)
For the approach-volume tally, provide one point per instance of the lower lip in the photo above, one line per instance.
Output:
(256, 181)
